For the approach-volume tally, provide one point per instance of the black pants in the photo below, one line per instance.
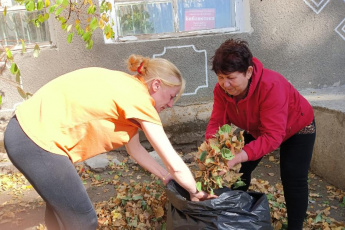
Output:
(295, 157)
(54, 178)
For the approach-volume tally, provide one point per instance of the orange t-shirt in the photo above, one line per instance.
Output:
(86, 112)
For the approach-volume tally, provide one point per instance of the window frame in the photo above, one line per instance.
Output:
(238, 28)
(31, 44)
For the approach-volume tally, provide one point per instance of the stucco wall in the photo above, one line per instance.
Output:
(303, 40)
(295, 38)
(329, 151)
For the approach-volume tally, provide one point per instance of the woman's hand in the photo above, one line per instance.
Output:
(239, 158)
(172, 161)
(167, 178)
(200, 196)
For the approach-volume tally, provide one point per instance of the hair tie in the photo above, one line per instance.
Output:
(139, 68)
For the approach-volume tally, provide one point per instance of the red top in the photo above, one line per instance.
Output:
(272, 112)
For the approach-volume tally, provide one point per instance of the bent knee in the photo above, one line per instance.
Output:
(92, 220)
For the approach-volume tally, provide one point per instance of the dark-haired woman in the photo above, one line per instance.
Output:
(272, 113)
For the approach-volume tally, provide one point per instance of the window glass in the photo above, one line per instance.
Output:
(18, 24)
(149, 17)
(166, 18)
(206, 14)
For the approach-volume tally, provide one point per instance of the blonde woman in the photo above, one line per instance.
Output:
(88, 112)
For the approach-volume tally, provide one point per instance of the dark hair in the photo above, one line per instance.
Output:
(231, 56)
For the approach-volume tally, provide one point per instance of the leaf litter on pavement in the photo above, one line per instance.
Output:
(139, 200)
(14, 185)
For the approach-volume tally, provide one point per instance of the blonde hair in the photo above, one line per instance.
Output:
(157, 68)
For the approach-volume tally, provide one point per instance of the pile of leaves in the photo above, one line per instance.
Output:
(138, 201)
(212, 157)
(128, 197)
(15, 185)
(15, 182)
(137, 205)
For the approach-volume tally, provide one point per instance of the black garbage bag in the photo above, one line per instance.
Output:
(233, 209)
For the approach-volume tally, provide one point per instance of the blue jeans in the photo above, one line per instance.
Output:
(295, 157)
(54, 177)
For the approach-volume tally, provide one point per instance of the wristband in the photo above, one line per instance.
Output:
(196, 191)
(165, 177)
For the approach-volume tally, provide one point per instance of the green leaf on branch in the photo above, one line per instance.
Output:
(69, 37)
(64, 26)
(23, 45)
(47, 3)
(21, 2)
(58, 11)
(58, 2)
(78, 29)
(37, 51)
(39, 4)
(14, 68)
(108, 31)
(30, 5)
(77, 24)
(65, 3)
(18, 79)
(5, 11)
(87, 36)
(89, 44)
(91, 9)
(52, 8)
(105, 6)
(61, 19)
(41, 18)
(9, 54)
(80, 32)
(37, 23)
(21, 93)
(93, 24)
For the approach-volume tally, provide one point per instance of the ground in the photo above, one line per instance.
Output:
(127, 197)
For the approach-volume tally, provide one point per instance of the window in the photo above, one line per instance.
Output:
(18, 24)
(145, 19)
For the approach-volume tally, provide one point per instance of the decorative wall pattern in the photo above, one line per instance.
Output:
(340, 29)
(317, 7)
(194, 82)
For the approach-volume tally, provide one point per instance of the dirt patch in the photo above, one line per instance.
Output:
(21, 208)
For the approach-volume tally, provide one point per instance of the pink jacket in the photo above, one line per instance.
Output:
(272, 112)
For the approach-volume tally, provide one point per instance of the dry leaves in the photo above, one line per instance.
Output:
(212, 157)
(140, 204)
(15, 182)
(315, 220)
(136, 203)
